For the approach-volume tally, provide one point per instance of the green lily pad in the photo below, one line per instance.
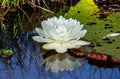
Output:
(98, 24)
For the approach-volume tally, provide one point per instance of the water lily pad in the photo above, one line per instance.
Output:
(99, 24)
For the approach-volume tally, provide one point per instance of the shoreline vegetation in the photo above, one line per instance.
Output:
(50, 6)
(32, 11)
(29, 13)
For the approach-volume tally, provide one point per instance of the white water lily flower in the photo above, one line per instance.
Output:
(58, 63)
(61, 34)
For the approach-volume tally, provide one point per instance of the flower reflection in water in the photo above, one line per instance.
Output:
(60, 62)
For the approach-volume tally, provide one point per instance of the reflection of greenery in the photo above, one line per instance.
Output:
(98, 24)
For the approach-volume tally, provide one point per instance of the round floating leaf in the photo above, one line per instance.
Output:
(98, 24)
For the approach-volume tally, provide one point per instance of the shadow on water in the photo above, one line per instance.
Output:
(22, 66)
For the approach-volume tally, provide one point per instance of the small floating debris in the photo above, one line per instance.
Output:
(111, 35)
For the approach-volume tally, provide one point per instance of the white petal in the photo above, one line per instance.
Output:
(80, 42)
(42, 33)
(41, 39)
(57, 46)
(39, 31)
(77, 33)
(60, 48)
(46, 27)
(81, 34)
(61, 17)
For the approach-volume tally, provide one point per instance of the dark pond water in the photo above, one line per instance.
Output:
(22, 66)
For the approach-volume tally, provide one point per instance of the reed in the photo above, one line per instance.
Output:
(7, 3)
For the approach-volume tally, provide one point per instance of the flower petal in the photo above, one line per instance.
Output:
(57, 46)
(39, 31)
(80, 42)
(42, 33)
(41, 39)
(62, 47)
(81, 34)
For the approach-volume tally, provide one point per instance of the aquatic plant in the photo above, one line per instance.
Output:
(61, 34)
(4, 53)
